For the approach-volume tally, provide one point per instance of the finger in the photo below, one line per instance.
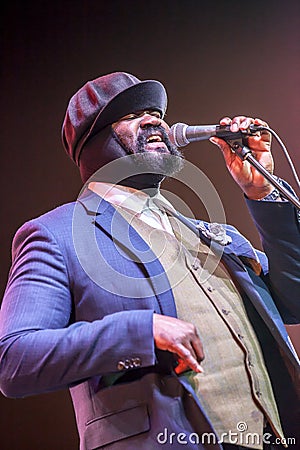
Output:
(237, 123)
(232, 160)
(258, 121)
(261, 142)
(197, 348)
(241, 123)
(188, 357)
(224, 147)
(181, 367)
(265, 135)
(225, 121)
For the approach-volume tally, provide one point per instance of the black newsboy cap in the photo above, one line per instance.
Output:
(105, 100)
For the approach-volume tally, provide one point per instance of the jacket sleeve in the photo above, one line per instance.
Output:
(278, 226)
(40, 348)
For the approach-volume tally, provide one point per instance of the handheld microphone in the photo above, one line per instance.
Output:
(181, 134)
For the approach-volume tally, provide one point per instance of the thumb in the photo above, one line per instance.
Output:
(218, 142)
(215, 141)
(224, 147)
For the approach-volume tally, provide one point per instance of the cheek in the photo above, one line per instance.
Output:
(126, 136)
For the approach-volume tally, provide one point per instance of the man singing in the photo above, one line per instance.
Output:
(165, 333)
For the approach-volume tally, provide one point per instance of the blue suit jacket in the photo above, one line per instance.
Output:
(77, 312)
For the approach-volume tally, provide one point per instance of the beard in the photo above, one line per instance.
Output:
(158, 162)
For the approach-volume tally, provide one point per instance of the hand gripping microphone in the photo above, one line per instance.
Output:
(181, 134)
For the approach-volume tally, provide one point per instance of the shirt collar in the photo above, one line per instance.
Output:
(129, 198)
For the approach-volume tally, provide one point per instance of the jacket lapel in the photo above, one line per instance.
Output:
(106, 217)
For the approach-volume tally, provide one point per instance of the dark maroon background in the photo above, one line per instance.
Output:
(215, 58)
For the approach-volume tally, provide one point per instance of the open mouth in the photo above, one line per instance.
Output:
(154, 138)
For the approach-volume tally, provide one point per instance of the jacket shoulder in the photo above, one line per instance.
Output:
(55, 224)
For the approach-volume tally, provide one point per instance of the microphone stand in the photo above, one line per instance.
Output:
(245, 154)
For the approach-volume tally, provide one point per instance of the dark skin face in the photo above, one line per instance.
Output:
(145, 136)
(131, 128)
(142, 137)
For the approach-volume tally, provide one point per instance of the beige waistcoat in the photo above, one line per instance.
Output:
(235, 389)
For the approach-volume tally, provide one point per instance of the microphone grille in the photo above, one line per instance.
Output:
(178, 134)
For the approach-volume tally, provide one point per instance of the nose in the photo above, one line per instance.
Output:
(149, 120)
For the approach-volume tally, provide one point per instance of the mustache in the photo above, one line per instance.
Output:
(154, 129)
(146, 132)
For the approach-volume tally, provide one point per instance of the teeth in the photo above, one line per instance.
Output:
(154, 138)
